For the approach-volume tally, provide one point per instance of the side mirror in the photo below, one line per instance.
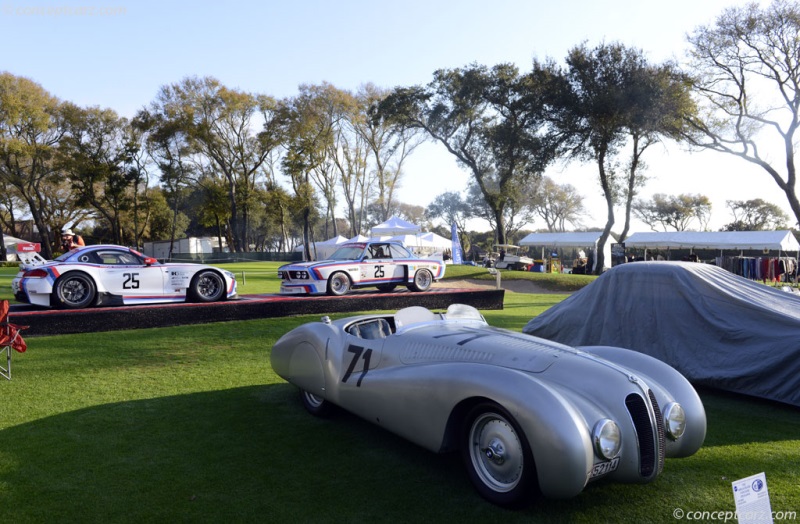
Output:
(149, 261)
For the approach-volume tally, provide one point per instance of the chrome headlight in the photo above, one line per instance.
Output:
(674, 420)
(607, 438)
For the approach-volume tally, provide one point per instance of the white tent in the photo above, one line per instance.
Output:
(395, 226)
(324, 249)
(11, 246)
(412, 241)
(739, 240)
(438, 241)
(358, 238)
(586, 240)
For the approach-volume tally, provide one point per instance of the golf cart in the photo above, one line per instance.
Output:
(510, 258)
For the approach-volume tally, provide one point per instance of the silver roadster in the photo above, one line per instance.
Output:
(527, 415)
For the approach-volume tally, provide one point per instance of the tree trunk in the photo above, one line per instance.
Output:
(500, 223)
(601, 242)
(3, 254)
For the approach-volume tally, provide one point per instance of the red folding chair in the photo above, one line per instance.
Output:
(10, 338)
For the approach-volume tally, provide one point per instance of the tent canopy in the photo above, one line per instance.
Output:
(395, 226)
(11, 246)
(411, 240)
(437, 240)
(771, 240)
(580, 239)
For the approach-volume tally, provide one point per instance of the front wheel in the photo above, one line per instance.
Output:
(74, 291)
(497, 456)
(317, 406)
(423, 280)
(338, 284)
(207, 286)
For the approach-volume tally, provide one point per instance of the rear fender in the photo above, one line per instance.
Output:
(298, 357)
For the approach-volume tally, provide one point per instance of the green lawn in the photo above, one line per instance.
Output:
(190, 424)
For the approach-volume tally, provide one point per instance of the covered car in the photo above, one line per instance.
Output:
(116, 275)
(716, 328)
(528, 415)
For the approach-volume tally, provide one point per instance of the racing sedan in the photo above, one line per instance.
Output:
(384, 265)
(115, 275)
(528, 415)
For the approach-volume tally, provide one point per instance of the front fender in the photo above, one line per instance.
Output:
(557, 434)
(556, 431)
(668, 384)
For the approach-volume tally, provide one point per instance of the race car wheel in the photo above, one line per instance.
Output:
(423, 279)
(74, 291)
(315, 405)
(497, 456)
(338, 284)
(386, 288)
(207, 286)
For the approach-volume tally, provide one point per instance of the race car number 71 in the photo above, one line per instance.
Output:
(357, 352)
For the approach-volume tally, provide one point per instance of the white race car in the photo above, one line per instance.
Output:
(384, 265)
(115, 275)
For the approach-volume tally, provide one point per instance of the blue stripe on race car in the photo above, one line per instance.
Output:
(306, 288)
(373, 281)
(154, 299)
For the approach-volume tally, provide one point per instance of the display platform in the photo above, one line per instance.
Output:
(247, 307)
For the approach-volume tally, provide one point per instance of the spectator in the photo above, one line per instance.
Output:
(69, 240)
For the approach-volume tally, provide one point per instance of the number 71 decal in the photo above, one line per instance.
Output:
(358, 353)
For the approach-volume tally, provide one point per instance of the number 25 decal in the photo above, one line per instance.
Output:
(131, 281)
(379, 273)
(357, 352)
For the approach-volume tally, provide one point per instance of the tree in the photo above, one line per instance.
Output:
(676, 212)
(137, 164)
(657, 103)
(614, 98)
(557, 204)
(755, 215)
(516, 214)
(491, 120)
(222, 129)
(747, 81)
(452, 208)
(31, 126)
(350, 155)
(168, 145)
(389, 144)
(308, 125)
(340, 107)
(92, 152)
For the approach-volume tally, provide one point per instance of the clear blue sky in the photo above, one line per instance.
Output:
(117, 53)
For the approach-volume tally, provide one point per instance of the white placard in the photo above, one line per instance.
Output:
(178, 278)
(752, 500)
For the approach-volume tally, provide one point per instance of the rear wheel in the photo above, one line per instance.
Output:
(423, 280)
(497, 456)
(338, 284)
(74, 291)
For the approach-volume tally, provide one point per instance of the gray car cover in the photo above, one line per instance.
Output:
(716, 328)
